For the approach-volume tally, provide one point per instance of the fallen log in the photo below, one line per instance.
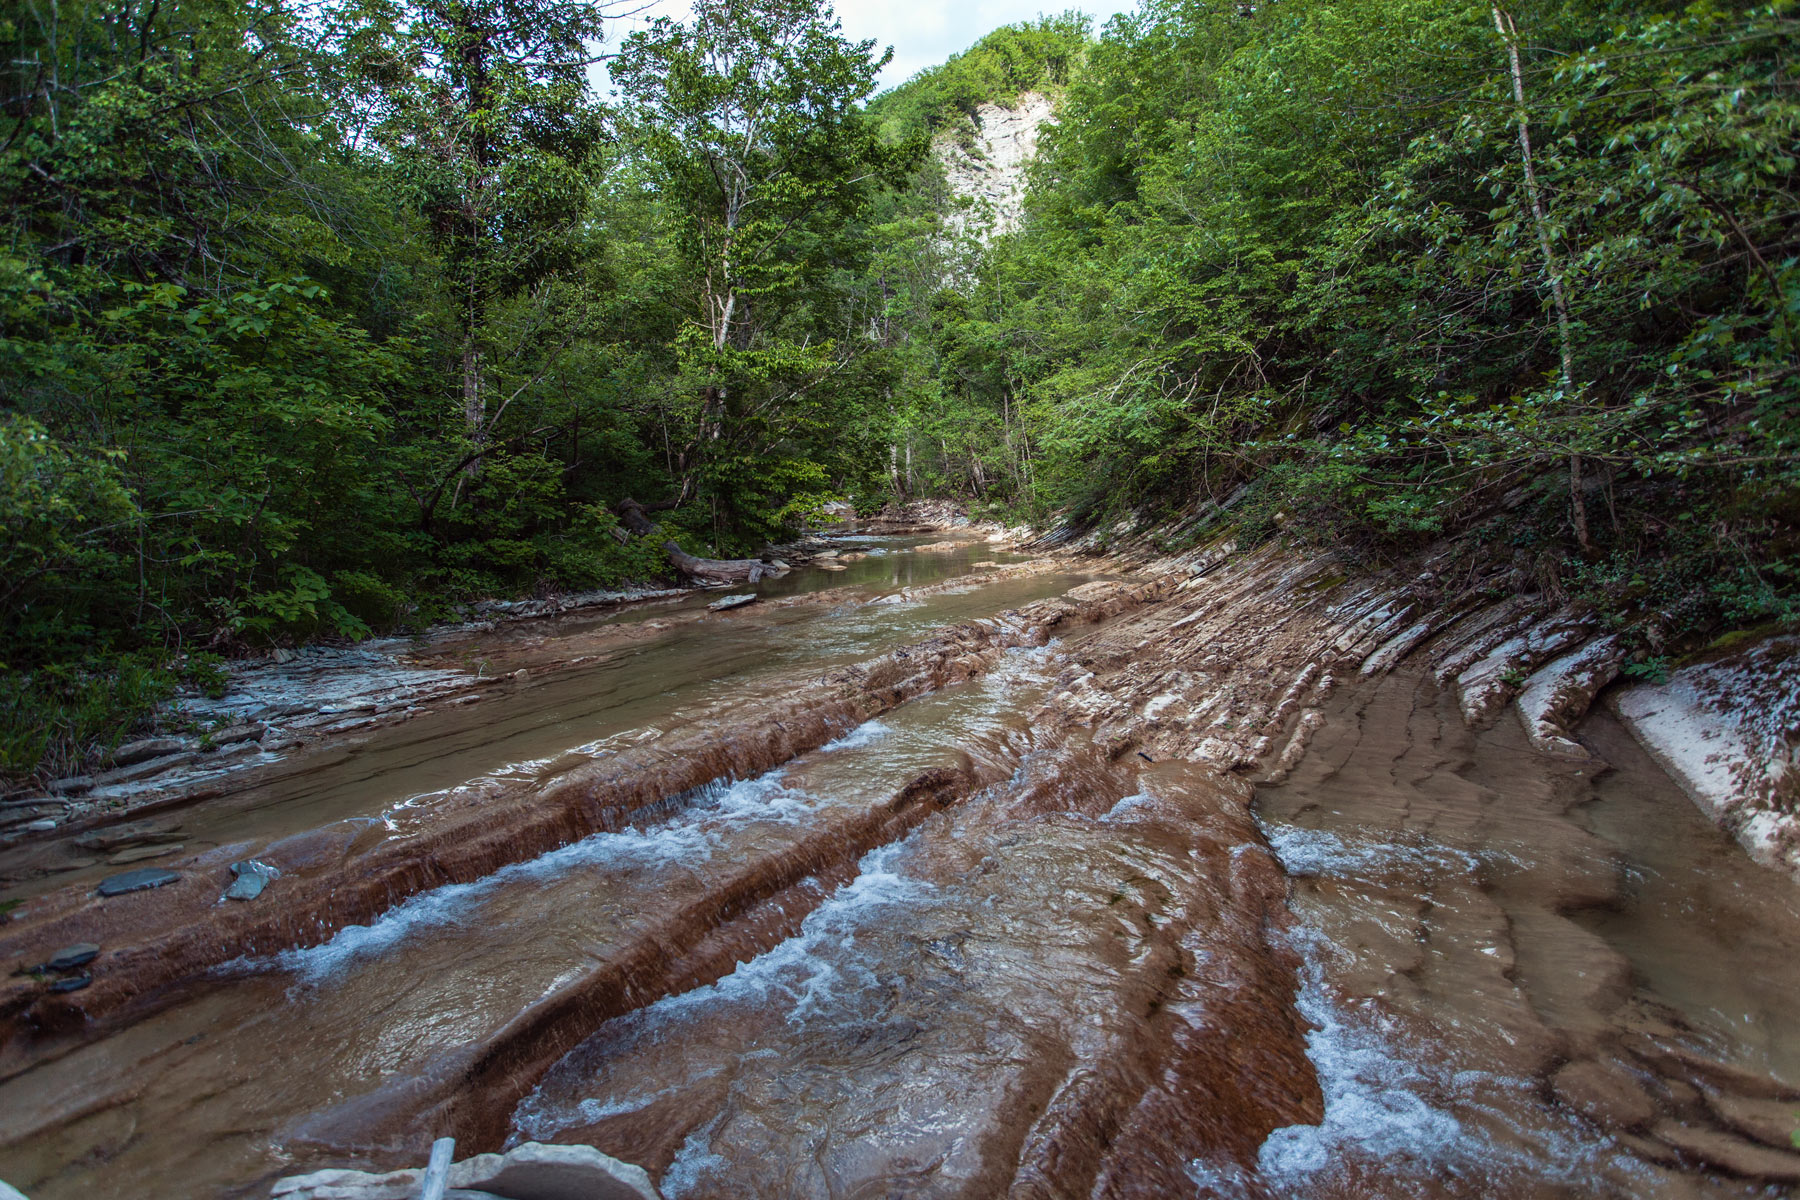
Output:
(722, 570)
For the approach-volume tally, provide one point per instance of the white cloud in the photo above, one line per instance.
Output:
(923, 33)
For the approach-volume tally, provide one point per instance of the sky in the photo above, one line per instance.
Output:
(923, 33)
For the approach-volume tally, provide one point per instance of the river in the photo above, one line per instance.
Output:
(962, 949)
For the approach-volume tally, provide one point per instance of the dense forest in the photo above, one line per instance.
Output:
(318, 320)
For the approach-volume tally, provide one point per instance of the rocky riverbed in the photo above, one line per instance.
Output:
(1220, 874)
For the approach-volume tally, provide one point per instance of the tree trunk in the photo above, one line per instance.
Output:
(474, 405)
(720, 570)
(1509, 33)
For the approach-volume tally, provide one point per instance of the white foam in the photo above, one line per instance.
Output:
(1311, 852)
(694, 1162)
(865, 734)
(1407, 1107)
(1376, 1105)
(1127, 805)
(811, 975)
(724, 804)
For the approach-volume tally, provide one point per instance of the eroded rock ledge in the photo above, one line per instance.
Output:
(347, 873)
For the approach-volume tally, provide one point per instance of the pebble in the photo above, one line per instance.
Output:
(730, 602)
(41, 825)
(73, 983)
(136, 881)
(247, 886)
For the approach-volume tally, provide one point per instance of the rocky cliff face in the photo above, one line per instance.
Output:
(992, 171)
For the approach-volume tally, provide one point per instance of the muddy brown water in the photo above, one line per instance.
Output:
(626, 690)
(1475, 918)
(1063, 976)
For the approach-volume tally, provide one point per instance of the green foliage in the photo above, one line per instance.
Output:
(749, 125)
(317, 320)
(1295, 247)
(1041, 55)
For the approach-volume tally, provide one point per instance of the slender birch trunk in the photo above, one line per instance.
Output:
(1509, 33)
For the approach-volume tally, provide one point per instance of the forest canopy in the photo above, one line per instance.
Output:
(320, 320)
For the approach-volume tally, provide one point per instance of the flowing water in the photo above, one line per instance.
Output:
(635, 674)
(1477, 918)
(958, 952)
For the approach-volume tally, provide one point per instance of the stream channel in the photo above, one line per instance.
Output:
(905, 1018)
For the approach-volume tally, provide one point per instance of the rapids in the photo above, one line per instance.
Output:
(964, 946)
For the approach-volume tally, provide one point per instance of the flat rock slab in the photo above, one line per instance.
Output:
(730, 602)
(132, 753)
(72, 983)
(70, 957)
(133, 833)
(140, 853)
(533, 1171)
(136, 881)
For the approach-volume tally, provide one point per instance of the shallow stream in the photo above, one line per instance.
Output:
(953, 953)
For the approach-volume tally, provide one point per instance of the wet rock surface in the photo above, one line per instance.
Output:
(996, 912)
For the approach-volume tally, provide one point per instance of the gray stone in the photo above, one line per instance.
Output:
(41, 825)
(71, 983)
(145, 749)
(70, 957)
(9, 1192)
(281, 654)
(231, 736)
(145, 769)
(537, 1171)
(74, 785)
(730, 602)
(247, 886)
(136, 881)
